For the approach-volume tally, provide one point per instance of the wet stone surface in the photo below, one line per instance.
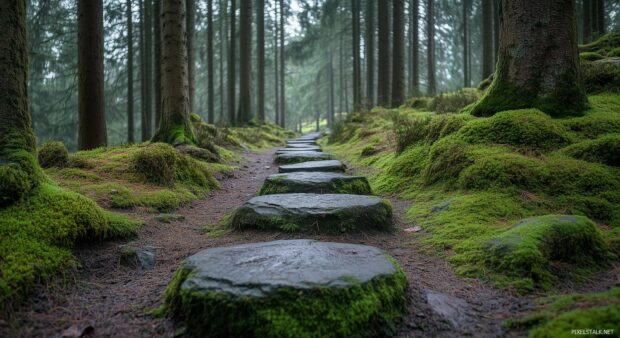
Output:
(302, 156)
(302, 145)
(312, 166)
(316, 182)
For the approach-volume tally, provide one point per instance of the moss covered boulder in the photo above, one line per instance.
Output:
(303, 146)
(314, 213)
(605, 149)
(302, 156)
(296, 288)
(529, 249)
(316, 182)
(312, 166)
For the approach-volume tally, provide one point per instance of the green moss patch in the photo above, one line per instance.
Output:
(605, 149)
(53, 154)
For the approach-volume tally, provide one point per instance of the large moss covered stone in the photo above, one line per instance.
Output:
(316, 213)
(316, 182)
(294, 288)
(313, 166)
(302, 156)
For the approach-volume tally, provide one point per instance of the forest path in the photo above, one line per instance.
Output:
(116, 301)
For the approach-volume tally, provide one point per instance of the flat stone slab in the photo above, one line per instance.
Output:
(313, 166)
(314, 213)
(302, 145)
(292, 288)
(303, 142)
(302, 156)
(296, 150)
(316, 182)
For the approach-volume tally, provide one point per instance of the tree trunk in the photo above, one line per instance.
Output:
(282, 68)
(260, 59)
(587, 20)
(600, 15)
(231, 64)
(398, 63)
(19, 171)
(357, 76)
(383, 80)
(370, 52)
(538, 63)
(223, 54)
(210, 67)
(145, 116)
(430, 29)
(130, 121)
(175, 127)
(157, 55)
(414, 68)
(330, 72)
(191, 52)
(487, 38)
(495, 31)
(245, 69)
(148, 44)
(90, 69)
(466, 74)
(276, 67)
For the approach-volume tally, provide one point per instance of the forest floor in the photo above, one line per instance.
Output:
(106, 299)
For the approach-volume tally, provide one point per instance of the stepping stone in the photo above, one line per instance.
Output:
(314, 213)
(293, 288)
(302, 145)
(296, 150)
(325, 166)
(315, 182)
(302, 156)
(303, 142)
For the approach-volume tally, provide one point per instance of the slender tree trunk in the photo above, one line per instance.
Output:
(148, 44)
(430, 29)
(145, 117)
(487, 38)
(398, 62)
(157, 56)
(341, 76)
(415, 48)
(357, 75)
(317, 97)
(210, 67)
(223, 54)
(538, 63)
(330, 71)
(466, 74)
(600, 15)
(383, 83)
(276, 67)
(90, 69)
(175, 127)
(495, 31)
(245, 69)
(232, 78)
(191, 52)
(260, 59)
(282, 68)
(130, 121)
(587, 20)
(370, 52)
(19, 171)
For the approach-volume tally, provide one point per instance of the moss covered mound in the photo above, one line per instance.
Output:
(527, 128)
(605, 149)
(601, 75)
(603, 45)
(315, 182)
(528, 248)
(314, 213)
(298, 288)
(37, 233)
(53, 154)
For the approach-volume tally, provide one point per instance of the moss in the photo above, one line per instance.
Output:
(600, 76)
(176, 134)
(163, 201)
(53, 154)
(528, 128)
(447, 158)
(602, 119)
(602, 45)
(605, 149)
(600, 318)
(590, 56)
(19, 173)
(527, 250)
(37, 233)
(363, 310)
(614, 52)
(369, 151)
(455, 101)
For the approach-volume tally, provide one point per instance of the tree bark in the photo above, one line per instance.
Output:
(370, 52)
(383, 80)
(210, 67)
(191, 53)
(260, 59)
(223, 54)
(538, 63)
(587, 20)
(357, 76)
(231, 64)
(330, 74)
(245, 69)
(487, 38)
(130, 105)
(600, 15)
(276, 67)
(19, 171)
(175, 127)
(414, 68)
(466, 74)
(430, 29)
(495, 31)
(282, 68)
(157, 55)
(90, 69)
(398, 64)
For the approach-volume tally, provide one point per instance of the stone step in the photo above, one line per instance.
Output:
(316, 182)
(314, 213)
(302, 145)
(302, 156)
(304, 142)
(296, 150)
(293, 288)
(324, 166)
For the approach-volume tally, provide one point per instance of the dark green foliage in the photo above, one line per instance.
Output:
(600, 76)
(455, 101)
(369, 151)
(53, 154)
(447, 158)
(408, 131)
(614, 52)
(605, 149)
(418, 102)
(603, 45)
(590, 56)
(14, 184)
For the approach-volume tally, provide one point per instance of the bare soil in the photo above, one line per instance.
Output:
(106, 299)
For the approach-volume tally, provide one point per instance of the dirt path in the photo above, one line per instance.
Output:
(115, 301)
